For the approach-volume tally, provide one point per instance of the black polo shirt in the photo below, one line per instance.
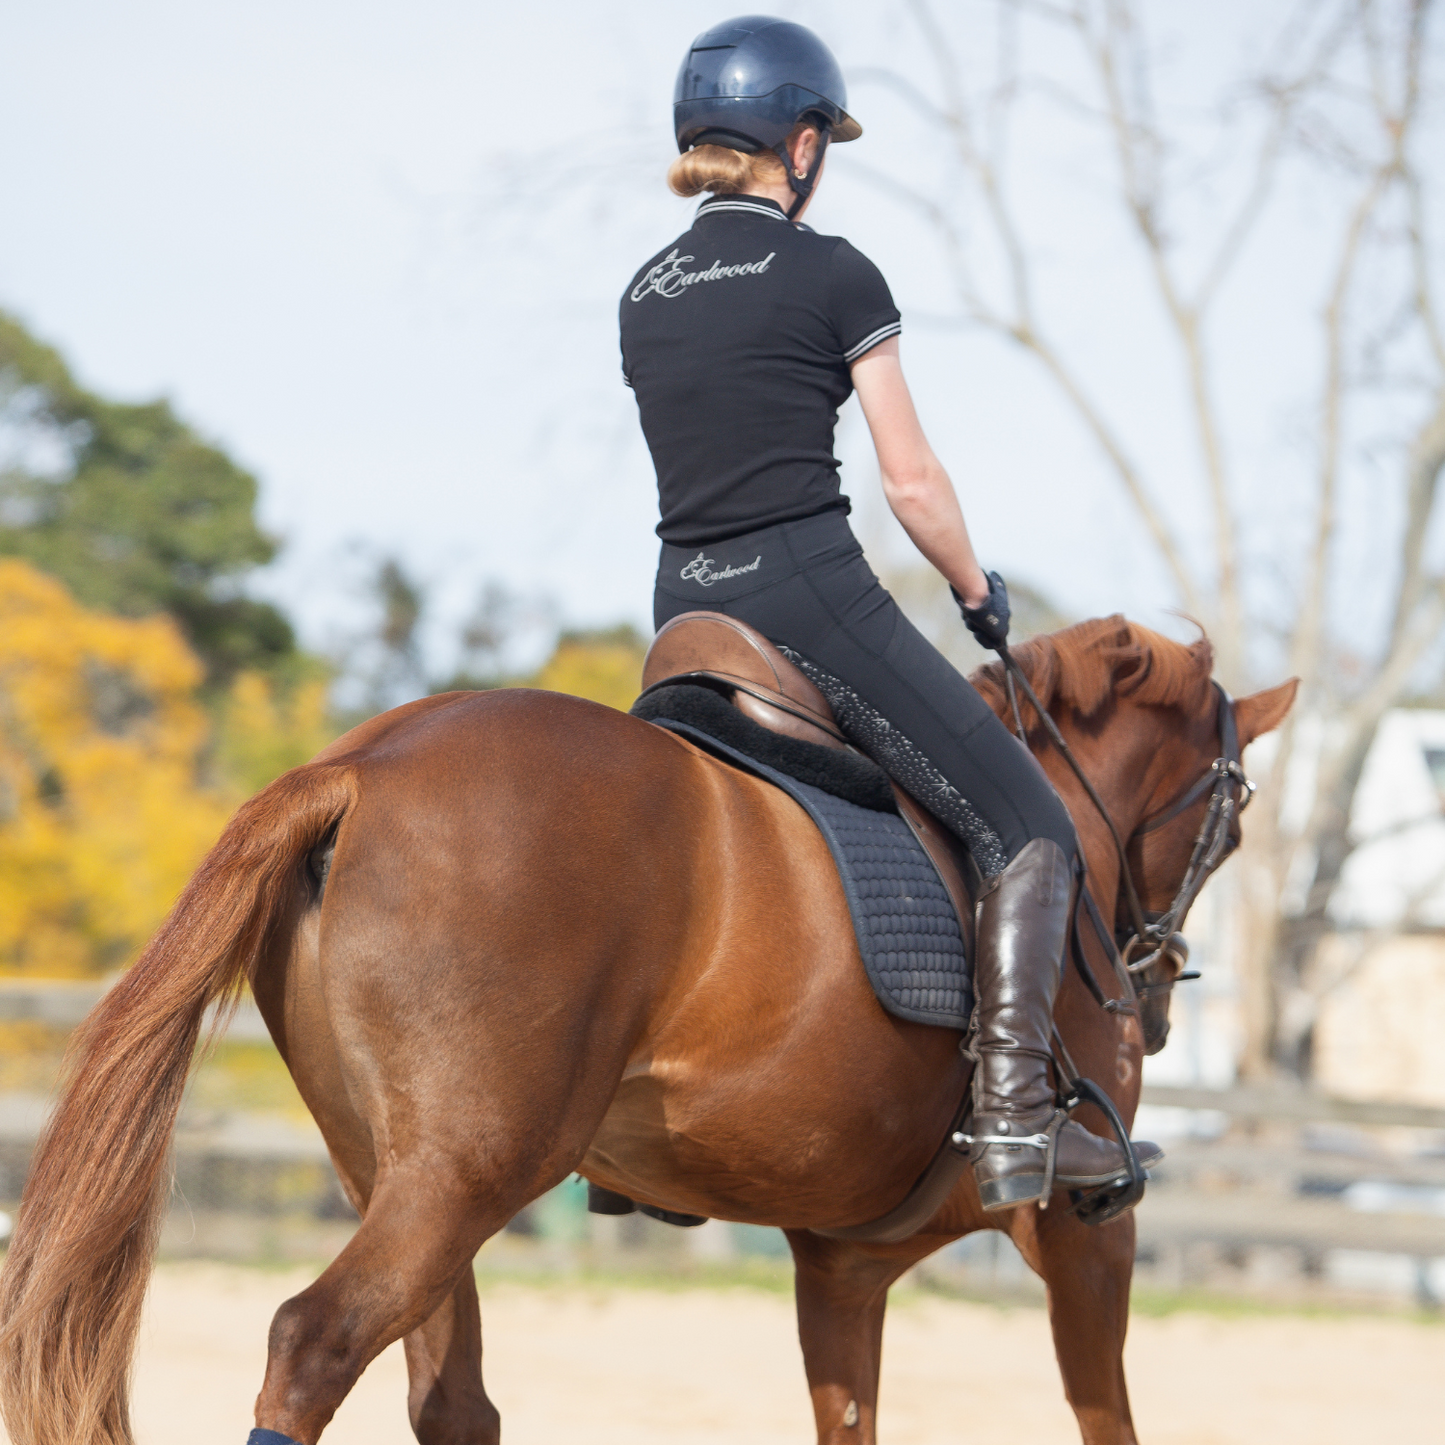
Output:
(736, 339)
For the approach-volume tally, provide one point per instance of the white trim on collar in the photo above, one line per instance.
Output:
(709, 207)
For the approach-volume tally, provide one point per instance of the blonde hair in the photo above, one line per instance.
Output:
(722, 171)
(726, 172)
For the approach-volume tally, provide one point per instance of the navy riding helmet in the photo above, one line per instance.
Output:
(747, 82)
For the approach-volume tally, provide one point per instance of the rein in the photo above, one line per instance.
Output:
(1153, 938)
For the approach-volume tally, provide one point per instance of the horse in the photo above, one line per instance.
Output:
(499, 937)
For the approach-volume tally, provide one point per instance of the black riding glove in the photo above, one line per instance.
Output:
(988, 623)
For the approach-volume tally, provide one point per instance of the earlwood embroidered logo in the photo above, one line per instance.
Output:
(699, 570)
(668, 278)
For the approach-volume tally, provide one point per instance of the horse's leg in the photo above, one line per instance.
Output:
(842, 1293)
(446, 1399)
(475, 1133)
(1087, 1272)
(421, 1229)
(447, 1402)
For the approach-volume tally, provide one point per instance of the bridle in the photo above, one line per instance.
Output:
(1146, 939)
(1152, 941)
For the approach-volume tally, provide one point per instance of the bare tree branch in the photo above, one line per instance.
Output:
(1422, 485)
(1396, 126)
(1246, 218)
(1137, 145)
(1427, 452)
(975, 308)
(1307, 653)
(1021, 324)
(1424, 292)
(1286, 96)
(1384, 690)
(1093, 418)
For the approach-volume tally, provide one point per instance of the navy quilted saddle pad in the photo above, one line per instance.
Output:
(907, 929)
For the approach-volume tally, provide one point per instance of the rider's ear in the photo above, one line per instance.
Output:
(1262, 712)
(803, 145)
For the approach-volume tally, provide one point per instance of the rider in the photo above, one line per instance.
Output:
(741, 339)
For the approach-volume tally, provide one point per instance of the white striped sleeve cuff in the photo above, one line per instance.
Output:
(872, 340)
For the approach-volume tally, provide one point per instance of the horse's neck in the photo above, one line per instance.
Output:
(1122, 765)
(1124, 769)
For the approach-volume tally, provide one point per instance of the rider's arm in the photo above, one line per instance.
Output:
(917, 487)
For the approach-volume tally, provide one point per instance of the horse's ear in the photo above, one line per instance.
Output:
(1262, 712)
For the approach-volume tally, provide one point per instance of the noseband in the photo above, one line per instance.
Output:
(1149, 939)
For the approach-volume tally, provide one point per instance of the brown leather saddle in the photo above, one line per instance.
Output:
(717, 651)
(714, 650)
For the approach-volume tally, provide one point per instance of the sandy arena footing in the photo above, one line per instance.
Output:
(703, 1367)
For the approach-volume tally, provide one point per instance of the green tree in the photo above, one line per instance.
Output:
(132, 510)
(382, 665)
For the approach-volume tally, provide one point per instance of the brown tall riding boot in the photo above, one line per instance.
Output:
(1017, 1129)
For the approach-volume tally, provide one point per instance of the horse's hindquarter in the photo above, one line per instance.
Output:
(540, 913)
(770, 1086)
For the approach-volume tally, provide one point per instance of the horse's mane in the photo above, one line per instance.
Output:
(1086, 665)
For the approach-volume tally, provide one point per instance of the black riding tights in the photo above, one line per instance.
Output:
(806, 586)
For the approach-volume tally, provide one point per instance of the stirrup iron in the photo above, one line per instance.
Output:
(1106, 1201)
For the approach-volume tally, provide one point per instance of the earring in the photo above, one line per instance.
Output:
(801, 175)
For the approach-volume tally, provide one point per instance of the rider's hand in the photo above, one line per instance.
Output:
(989, 621)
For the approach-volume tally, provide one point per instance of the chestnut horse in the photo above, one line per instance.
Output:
(501, 937)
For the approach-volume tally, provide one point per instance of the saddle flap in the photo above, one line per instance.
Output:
(955, 868)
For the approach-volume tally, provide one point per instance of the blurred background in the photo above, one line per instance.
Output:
(310, 404)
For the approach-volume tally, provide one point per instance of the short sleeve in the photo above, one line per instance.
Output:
(860, 303)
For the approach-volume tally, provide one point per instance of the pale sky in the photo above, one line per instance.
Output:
(375, 250)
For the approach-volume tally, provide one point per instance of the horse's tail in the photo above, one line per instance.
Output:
(76, 1276)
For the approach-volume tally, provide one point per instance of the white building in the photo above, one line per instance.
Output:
(1380, 1032)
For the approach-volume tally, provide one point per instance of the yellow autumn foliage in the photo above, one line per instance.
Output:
(606, 668)
(112, 786)
(114, 780)
(263, 734)
(101, 820)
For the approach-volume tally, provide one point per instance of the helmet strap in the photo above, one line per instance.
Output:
(802, 186)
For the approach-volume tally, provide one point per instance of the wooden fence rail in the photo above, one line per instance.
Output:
(63, 1004)
(1293, 1105)
(1235, 1193)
